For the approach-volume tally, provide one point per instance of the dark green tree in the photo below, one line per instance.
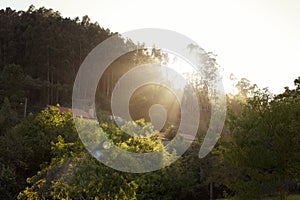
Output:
(263, 148)
(12, 81)
(8, 117)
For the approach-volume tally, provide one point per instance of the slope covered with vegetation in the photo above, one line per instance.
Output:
(42, 157)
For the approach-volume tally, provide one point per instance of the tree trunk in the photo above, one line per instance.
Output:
(211, 191)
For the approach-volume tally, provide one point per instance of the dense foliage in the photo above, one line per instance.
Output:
(42, 157)
(74, 174)
(260, 157)
(48, 48)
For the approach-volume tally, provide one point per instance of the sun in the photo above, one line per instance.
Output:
(180, 65)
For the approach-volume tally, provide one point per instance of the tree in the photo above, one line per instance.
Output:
(25, 146)
(12, 79)
(74, 174)
(263, 148)
(8, 182)
(8, 117)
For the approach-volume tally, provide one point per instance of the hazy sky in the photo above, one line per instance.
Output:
(256, 39)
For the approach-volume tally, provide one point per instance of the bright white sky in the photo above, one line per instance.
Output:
(255, 39)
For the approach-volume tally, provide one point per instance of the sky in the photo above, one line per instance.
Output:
(254, 39)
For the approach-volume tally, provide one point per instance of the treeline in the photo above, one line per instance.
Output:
(41, 52)
(42, 157)
(48, 48)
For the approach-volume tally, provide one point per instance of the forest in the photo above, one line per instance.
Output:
(42, 157)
